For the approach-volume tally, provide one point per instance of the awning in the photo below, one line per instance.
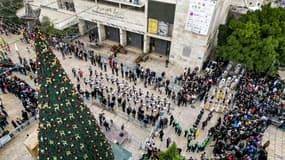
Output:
(66, 23)
(60, 20)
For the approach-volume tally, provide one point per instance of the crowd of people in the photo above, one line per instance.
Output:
(103, 122)
(3, 117)
(257, 101)
(195, 86)
(192, 133)
(113, 93)
(16, 86)
(221, 97)
(7, 28)
(4, 70)
(117, 87)
(25, 93)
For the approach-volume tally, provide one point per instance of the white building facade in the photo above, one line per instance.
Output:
(183, 30)
(159, 26)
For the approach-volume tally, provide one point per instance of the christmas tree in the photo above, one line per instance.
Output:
(67, 128)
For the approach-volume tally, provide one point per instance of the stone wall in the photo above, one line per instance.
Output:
(191, 49)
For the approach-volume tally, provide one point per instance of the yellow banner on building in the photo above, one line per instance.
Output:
(152, 25)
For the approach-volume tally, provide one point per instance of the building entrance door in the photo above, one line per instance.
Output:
(135, 40)
(160, 46)
(112, 33)
(92, 31)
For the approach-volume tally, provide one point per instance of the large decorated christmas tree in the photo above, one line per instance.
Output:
(67, 128)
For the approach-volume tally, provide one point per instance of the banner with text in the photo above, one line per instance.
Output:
(199, 16)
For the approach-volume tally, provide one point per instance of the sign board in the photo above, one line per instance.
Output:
(199, 16)
(124, 19)
(152, 25)
(163, 28)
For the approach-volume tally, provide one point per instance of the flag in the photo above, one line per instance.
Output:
(16, 47)
(8, 47)
(197, 133)
(3, 43)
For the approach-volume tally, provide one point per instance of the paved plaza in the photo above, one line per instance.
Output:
(137, 133)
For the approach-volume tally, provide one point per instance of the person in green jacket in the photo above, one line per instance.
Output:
(186, 133)
(189, 147)
(179, 130)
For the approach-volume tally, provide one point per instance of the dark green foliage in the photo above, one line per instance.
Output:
(48, 28)
(67, 128)
(8, 10)
(224, 32)
(256, 39)
(171, 153)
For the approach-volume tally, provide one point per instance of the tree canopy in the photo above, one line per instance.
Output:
(171, 153)
(48, 27)
(256, 39)
(8, 9)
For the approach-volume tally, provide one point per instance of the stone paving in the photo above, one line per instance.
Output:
(156, 62)
(276, 149)
(15, 149)
(13, 106)
(137, 134)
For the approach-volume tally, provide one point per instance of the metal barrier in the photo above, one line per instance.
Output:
(12, 134)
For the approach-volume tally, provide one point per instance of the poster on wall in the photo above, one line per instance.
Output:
(199, 16)
(152, 25)
(163, 28)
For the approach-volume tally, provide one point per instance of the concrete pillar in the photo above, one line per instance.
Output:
(123, 37)
(146, 15)
(82, 27)
(59, 3)
(101, 32)
(146, 41)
